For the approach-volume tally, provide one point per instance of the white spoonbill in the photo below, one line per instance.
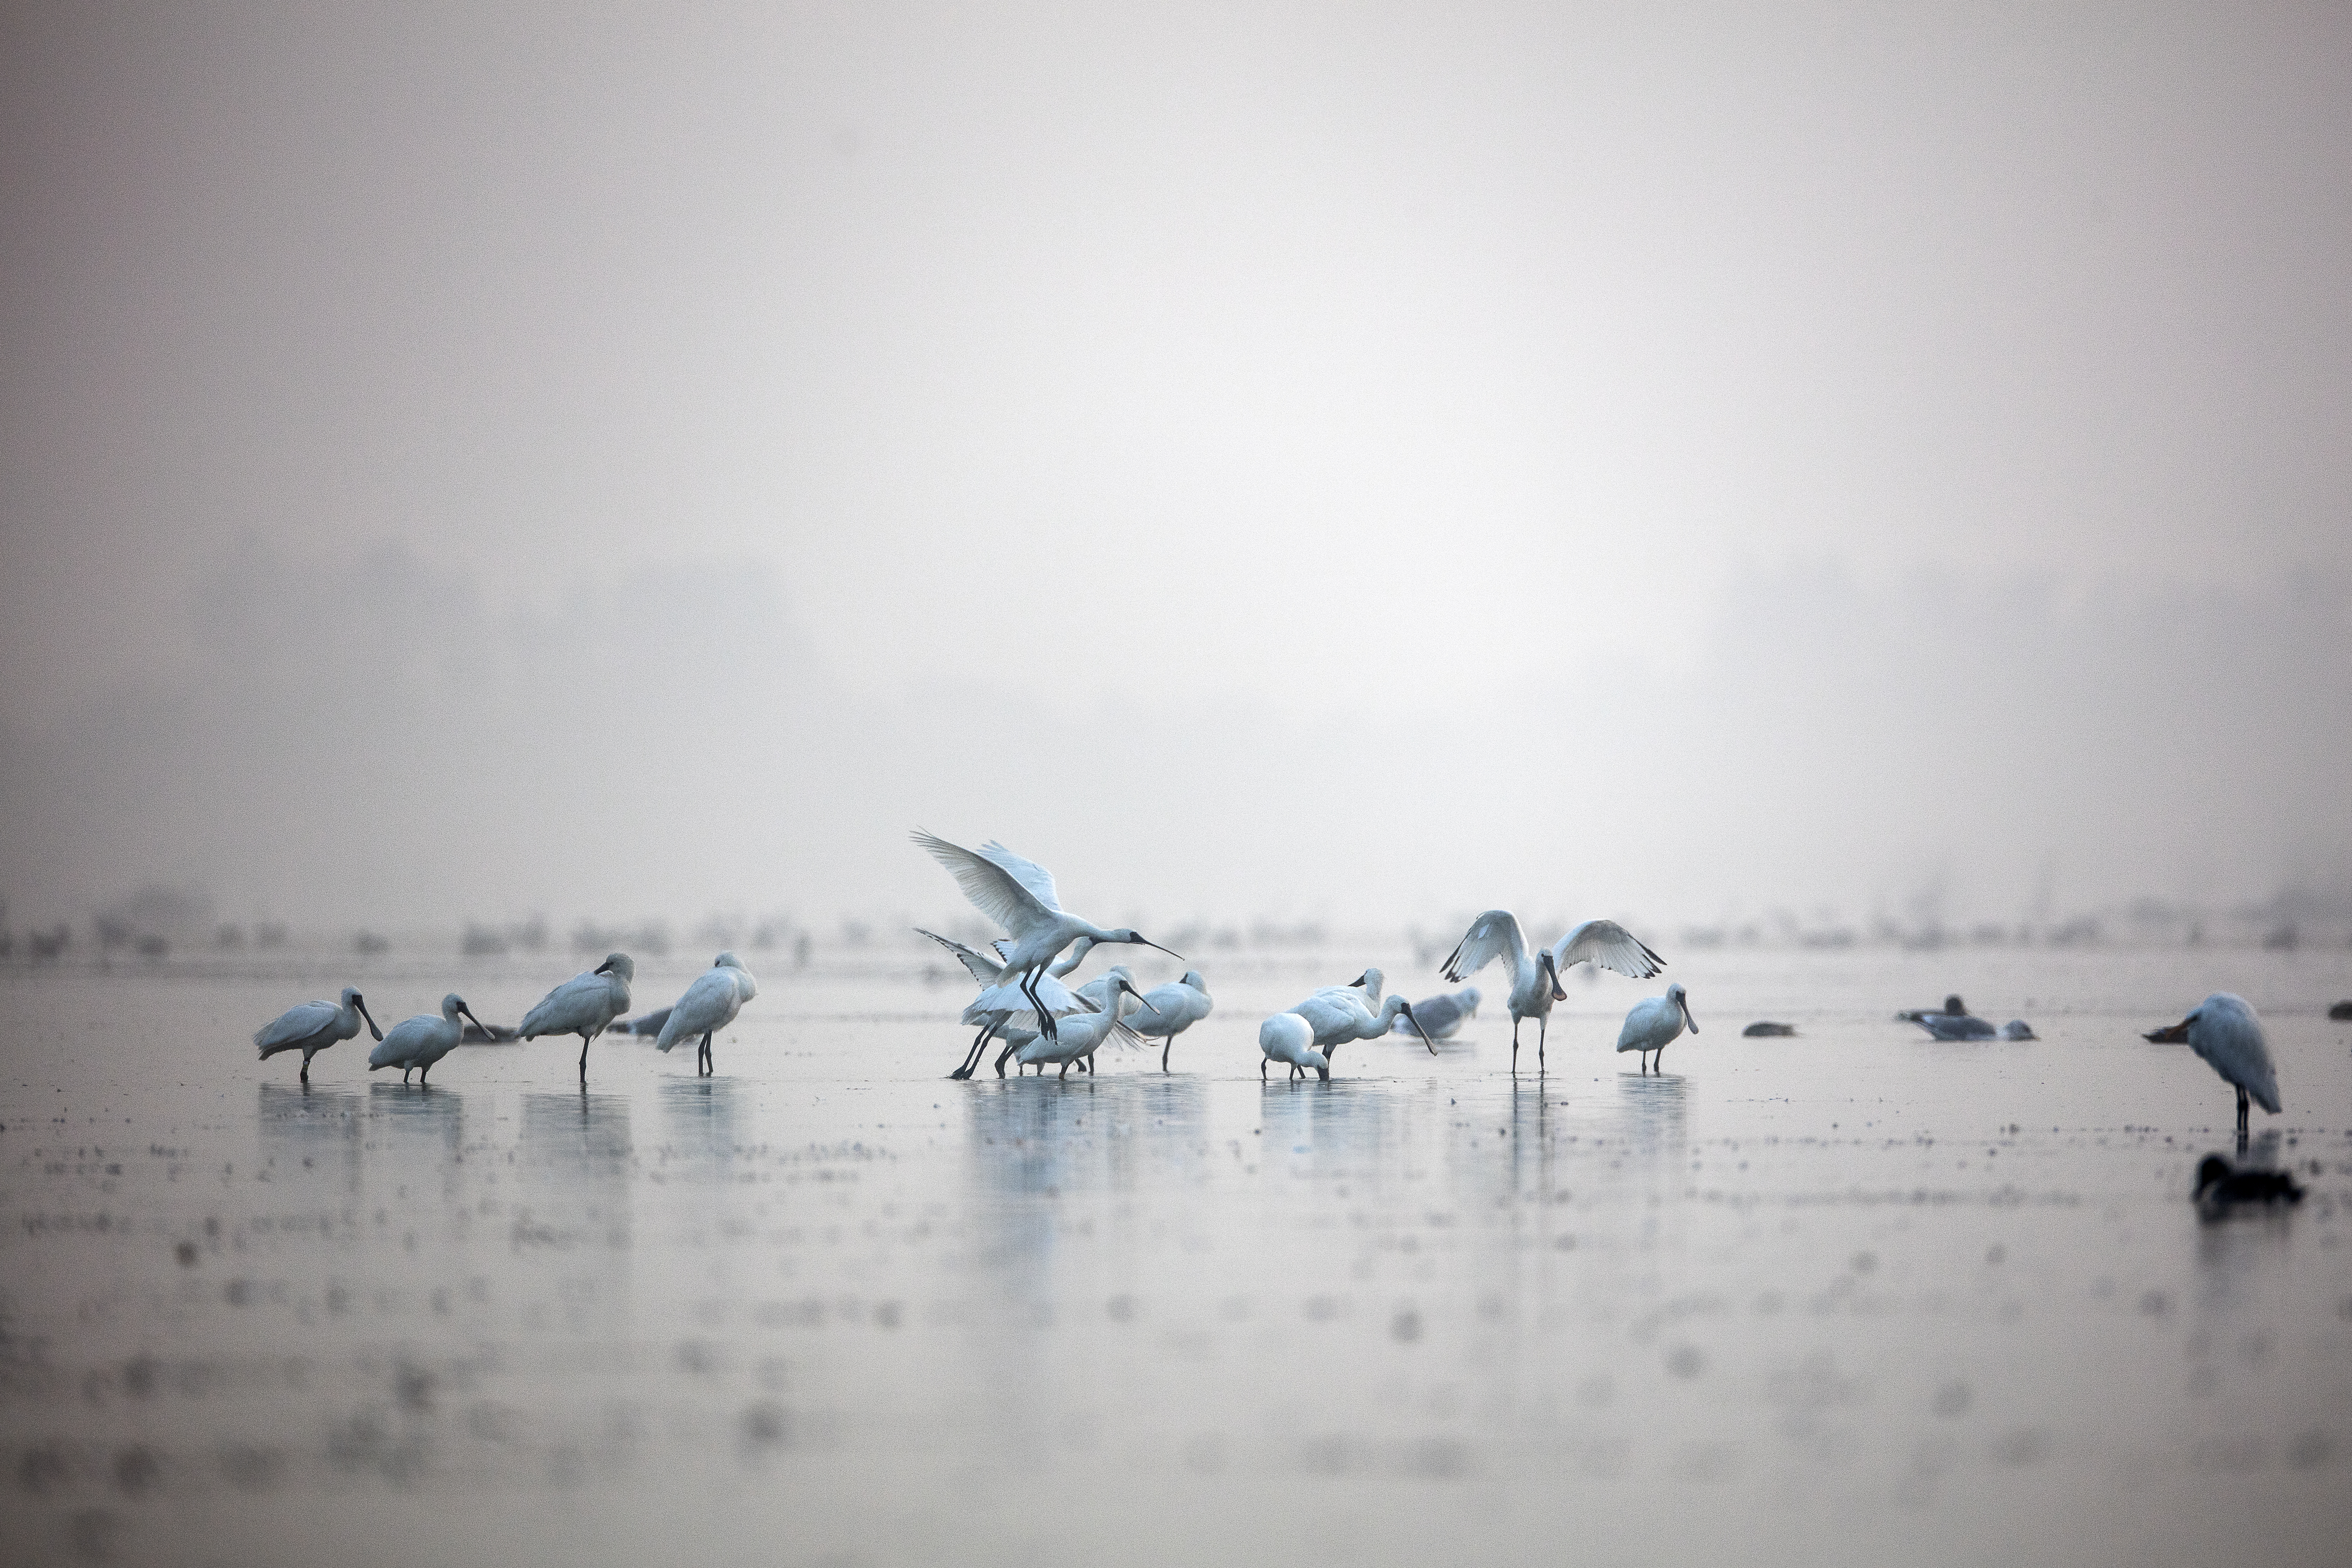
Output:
(1287, 1036)
(1021, 1028)
(1019, 895)
(420, 1042)
(709, 1005)
(314, 1026)
(1339, 1014)
(995, 1008)
(1654, 1021)
(1169, 1010)
(1534, 983)
(584, 1005)
(1441, 1016)
(2226, 1034)
(1080, 1033)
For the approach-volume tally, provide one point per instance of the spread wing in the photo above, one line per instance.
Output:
(1610, 945)
(296, 1023)
(980, 969)
(1028, 873)
(1494, 935)
(994, 889)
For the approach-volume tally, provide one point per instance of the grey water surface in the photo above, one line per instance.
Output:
(1853, 1296)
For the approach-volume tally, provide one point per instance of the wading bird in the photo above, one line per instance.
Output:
(1653, 1022)
(1021, 1028)
(1337, 1014)
(418, 1042)
(314, 1026)
(1441, 1016)
(1287, 1036)
(1081, 1033)
(584, 1005)
(2226, 1034)
(1169, 1010)
(1534, 982)
(1000, 1002)
(709, 1005)
(1019, 895)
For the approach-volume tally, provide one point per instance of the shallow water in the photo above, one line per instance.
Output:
(1843, 1297)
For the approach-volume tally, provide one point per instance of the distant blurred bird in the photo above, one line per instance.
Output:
(2224, 1031)
(1019, 894)
(1287, 1036)
(1654, 1023)
(1767, 1031)
(584, 1005)
(2018, 1029)
(1534, 982)
(418, 1042)
(1441, 1016)
(2340, 1011)
(314, 1026)
(1953, 1007)
(645, 1025)
(1169, 1010)
(1955, 1026)
(2219, 1188)
(709, 1005)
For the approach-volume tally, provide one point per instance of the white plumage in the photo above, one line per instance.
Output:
(1002, 1003)
(1081, 1033)
(1169, 1010)
(314, 1026)
(2226, 1032)
(584, 1005)
(709, 1005)
(418, 1042)
(1337, 1014)
(1654, 1023)
(1534, 981)
(1441, 1016)
(1288, 1038)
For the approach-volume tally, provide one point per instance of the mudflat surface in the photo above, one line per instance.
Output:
(1852, 1296)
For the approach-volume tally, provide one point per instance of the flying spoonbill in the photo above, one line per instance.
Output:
(1081, 1033)
(420, 1042)
(1654, 1021)
(709, 1005)
(584, 1005)
(1019, 895)
(2226, 1034)
(1534, 983)
(314, 1026)
(1169, 1010)
(1441, 1016)
(1287, 1036)
(1000, 1001)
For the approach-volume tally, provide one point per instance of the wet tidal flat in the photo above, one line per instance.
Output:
(1847, 1296)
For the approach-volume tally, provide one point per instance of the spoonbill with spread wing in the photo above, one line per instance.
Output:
(1534, 982)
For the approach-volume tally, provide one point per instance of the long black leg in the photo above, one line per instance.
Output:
(708, 1063)
(1006, 1055)
(2241, 1123)
(1261, 1067)
(1515, 1045)
(1543, 1028)
(585, 1039)
(1044, 1020)
(306, 1069)
(1165, 1041)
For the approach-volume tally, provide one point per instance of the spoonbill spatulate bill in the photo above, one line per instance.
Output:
(314, 1026)
(2224, 1031)
(414, 1044)
(1097, 994)
(1535, 979)
(1082, 1033)
(584, 1005)
(1019, 894)
(709, 1005)
(1000, 1000)
(1655, 1021)
(1288, 1038)
(1169, 1010)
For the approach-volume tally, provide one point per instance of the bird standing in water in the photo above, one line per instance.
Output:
(2224, 1031)
(314, 1026)
(709, 1005)
(584, 1005)
(1534, 981)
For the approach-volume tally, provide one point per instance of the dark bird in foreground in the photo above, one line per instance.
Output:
(2220, 1188)
(2341, 1012)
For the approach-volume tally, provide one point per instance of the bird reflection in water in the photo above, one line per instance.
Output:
(1347, 1129)
(413, 1140)
(573, 1164)
(313, 1131)
(700, 1118)
(1045, 1138)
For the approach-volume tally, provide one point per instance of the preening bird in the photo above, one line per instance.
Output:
(1534, 982)
(1287, 1037)
(1441, 1016)
(1081, 1033)
(2224, 1031)
(1169, 1010)
(314, 1026)
(418, 1042)
(1000, 1001)
(1019, 894)
(1655, 1021)
(1337, 1014)
(709, 1005)
(584, 1005)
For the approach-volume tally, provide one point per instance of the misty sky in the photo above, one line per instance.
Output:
(1349, 460)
